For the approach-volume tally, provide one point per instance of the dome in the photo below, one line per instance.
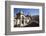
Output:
(21, 12)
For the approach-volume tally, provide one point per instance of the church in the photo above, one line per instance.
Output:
(21, 20)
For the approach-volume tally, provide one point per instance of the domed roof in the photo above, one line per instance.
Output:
(21, 12)
(18, 14)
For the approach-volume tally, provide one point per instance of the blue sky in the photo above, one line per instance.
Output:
(27, 11)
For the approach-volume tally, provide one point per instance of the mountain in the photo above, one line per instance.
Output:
(35, 17)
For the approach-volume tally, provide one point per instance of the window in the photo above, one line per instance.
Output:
(22, 20)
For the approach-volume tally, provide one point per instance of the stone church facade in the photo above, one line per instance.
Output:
(21, 20)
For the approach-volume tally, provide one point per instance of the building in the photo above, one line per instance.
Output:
(21, 19)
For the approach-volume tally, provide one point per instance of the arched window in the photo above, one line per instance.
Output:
(22, 20)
